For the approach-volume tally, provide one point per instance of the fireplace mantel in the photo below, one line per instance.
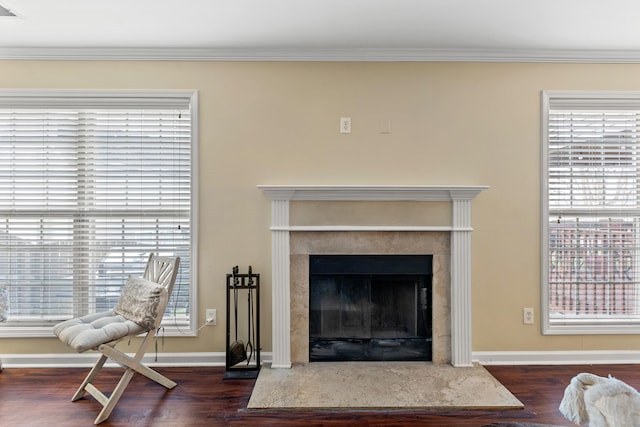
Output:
(460, 196)
(421, 193)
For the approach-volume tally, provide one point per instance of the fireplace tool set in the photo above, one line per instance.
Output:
(243, 319)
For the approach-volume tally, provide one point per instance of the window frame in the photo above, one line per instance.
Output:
(576, 99)
(140, 99)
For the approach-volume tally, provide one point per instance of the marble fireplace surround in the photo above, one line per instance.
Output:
(305, 243)
(459, 261)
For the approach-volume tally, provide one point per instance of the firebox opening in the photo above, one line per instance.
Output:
(370, 308)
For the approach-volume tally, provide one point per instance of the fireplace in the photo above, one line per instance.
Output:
(370, 308)
(289, 275)
(306, 244)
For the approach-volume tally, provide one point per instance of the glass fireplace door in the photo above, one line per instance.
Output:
(370, 316)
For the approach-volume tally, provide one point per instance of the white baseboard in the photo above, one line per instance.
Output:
(86, 360)
(589, 357)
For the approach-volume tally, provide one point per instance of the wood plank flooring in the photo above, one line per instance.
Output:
(41, 397)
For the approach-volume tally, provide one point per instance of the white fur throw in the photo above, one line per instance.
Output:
(600, 402)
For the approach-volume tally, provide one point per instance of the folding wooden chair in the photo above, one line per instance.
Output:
(139, 311)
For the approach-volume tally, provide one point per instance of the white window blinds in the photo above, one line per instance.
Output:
(591, 235)
(89, 186)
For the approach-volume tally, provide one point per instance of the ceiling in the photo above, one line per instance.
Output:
(494, 30)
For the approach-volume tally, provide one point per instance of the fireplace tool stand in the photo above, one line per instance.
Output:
(243, 319)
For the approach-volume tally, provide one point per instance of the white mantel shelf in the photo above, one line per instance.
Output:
(460, 196)
(423, 193)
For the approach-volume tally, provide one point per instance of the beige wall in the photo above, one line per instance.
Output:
(277, 123)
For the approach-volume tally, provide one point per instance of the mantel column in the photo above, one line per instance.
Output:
(281, 293)
(461, 352)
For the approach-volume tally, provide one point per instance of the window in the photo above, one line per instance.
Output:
(591, 212)
(90, 184)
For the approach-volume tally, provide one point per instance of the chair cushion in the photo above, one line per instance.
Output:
(141, 302)
(88, 332)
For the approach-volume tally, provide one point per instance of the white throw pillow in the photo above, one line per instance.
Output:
(141, 301)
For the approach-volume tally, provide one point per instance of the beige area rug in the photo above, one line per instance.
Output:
(379, 385)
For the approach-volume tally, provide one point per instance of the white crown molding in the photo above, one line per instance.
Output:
(320, 54)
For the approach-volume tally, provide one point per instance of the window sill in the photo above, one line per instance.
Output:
(586, 328)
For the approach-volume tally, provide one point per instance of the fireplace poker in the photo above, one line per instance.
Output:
(249, 349)
(237, 352)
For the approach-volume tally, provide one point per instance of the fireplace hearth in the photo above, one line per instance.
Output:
(370, 308)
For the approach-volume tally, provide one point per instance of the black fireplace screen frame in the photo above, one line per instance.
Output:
(370, 307)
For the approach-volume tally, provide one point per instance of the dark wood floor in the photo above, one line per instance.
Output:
(41, 397)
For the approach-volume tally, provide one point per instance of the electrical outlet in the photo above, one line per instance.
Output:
(210, 316)
(345, 124)
(527, 316)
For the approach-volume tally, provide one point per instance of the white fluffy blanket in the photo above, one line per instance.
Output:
(600, 402)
